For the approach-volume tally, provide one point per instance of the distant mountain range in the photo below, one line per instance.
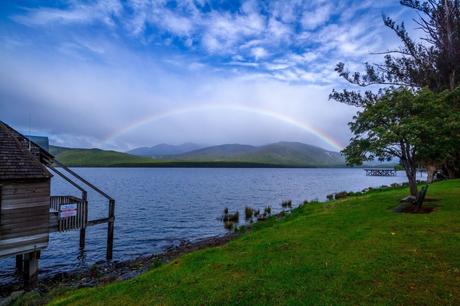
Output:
(281, 154)
(165, 149)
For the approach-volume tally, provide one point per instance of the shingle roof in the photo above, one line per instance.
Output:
(16, 162)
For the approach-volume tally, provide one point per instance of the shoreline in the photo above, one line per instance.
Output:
(101, 273)
(108, 272)
(210, 165)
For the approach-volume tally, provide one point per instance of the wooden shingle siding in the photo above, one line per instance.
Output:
(24, 216)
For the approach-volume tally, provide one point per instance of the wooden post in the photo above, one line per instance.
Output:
(110, 227)
(19, 263)
(31, 269)
(84, 196)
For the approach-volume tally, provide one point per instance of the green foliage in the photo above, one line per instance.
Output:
(416, 127)
(419, 128)
(432, 61)
(354, 251)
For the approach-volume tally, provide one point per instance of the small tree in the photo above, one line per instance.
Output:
(410, 126)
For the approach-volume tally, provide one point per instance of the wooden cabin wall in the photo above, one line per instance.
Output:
(24, 216)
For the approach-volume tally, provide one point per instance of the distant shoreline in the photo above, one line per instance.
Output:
(203, 165)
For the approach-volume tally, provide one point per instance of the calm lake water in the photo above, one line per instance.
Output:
(159, 207)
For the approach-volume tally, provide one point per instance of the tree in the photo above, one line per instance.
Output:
(434, 62)
(412, 126)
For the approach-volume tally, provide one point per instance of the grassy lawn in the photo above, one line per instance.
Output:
(348, 252)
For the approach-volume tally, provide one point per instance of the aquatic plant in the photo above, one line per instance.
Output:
(286, 204)
(235, 217)
(229, 225)
(248, 212)
(268, 210)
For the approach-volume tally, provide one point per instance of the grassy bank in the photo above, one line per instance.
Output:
(352, 251)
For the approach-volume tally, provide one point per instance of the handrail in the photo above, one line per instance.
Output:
(67, 179)
(83, 180)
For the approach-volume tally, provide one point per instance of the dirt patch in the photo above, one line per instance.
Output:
(422, 210)
(409, 208)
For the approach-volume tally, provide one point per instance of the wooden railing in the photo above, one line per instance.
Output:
(71, 213)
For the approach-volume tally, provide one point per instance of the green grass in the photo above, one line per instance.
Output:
(353, 251)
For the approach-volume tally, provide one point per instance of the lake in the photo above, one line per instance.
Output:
(160, 207)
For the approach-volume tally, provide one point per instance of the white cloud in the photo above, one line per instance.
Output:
(259, 53)
(277, 35)
(312, 19)
(99, 11)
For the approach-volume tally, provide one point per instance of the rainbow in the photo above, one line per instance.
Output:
(201, 108)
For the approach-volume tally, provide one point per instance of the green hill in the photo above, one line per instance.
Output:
(354, 251)
(96, 157)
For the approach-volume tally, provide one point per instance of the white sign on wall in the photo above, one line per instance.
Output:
(67, 210)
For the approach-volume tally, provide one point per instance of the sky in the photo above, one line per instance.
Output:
(121, 74)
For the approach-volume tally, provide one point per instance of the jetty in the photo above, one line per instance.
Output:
(28, 211)
(380, 171)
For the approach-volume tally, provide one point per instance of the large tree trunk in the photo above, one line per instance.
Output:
(412, 184)
(411, 173)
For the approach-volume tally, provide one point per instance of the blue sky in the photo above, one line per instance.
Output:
(120, 74)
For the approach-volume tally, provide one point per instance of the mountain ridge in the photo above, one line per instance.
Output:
(163, 149)
(280, 154)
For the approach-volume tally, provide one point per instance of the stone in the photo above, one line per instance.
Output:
(10, 299)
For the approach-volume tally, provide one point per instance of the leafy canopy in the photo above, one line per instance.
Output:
(416, 127)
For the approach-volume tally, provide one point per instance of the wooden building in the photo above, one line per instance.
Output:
(28, 212)
(24, 202)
